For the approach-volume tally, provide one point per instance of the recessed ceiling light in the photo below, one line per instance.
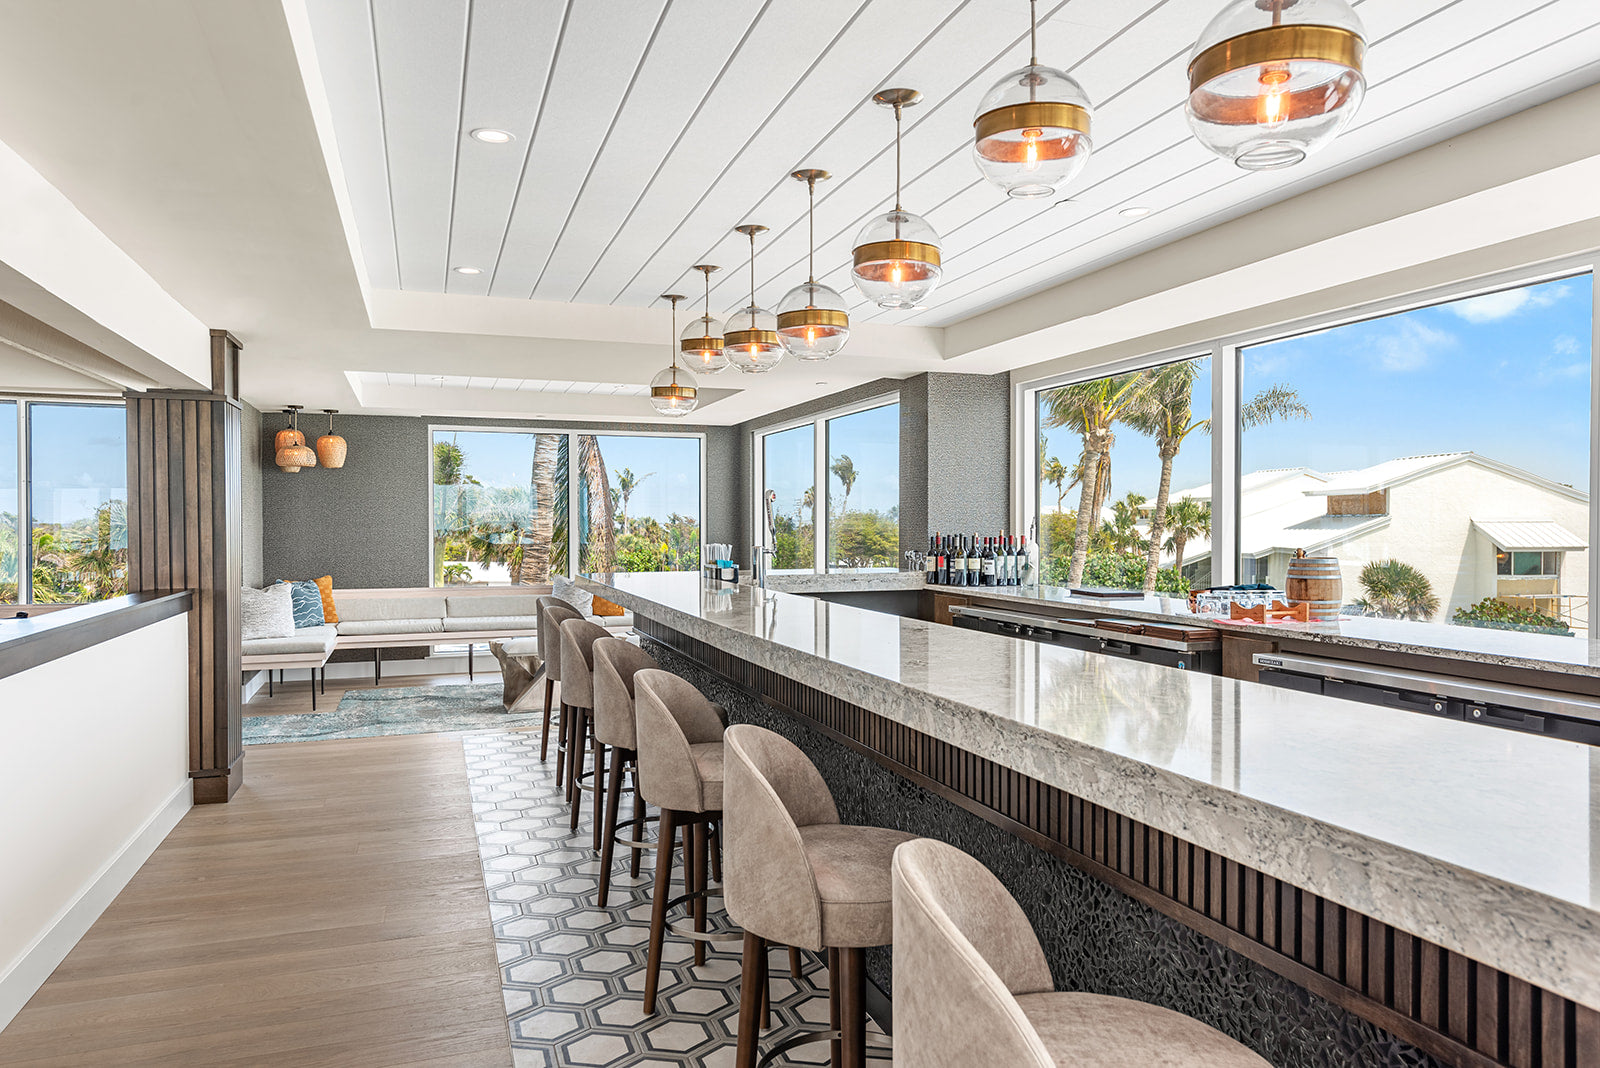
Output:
(492, 137)
(467, 270)
(1134, 212)
(822, 383)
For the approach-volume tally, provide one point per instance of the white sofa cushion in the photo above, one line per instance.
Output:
(613, 622)
(267, 613)
(358, 609)
(505, 604)
(305, 640)
(521, 647)
(523, 624)
(432, 625)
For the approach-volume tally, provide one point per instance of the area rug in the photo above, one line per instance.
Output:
(394, 710)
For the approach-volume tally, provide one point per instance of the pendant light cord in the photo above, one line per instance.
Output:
(1033, 33)
(752, 280)
(898, 210)
(811, 239)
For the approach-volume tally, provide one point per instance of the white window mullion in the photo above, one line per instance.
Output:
(1225, 474)
(820, 513)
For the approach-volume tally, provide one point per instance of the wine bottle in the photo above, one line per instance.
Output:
(1012, 570)
(974, 562)
(955, 564)
(1002, 571)
(986, 563)
(930, 565)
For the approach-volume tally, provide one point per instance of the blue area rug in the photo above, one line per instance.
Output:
(394, 710)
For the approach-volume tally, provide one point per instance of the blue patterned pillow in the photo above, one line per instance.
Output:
(307, 600)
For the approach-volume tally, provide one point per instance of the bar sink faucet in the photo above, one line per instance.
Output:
(763, 548)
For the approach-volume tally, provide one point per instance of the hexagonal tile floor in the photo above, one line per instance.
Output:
(572, 973)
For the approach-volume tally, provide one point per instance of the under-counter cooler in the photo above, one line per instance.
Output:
(1170, 645)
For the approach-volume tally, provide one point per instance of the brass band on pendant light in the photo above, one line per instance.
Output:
(813, 320)
(331, 448)
(292, 454)
(701, 341)
(673, 391)
(750, 339)
(1031, 130)
(896, 262)
(1271, 81)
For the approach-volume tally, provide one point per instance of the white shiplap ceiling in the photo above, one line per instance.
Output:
(646, 129)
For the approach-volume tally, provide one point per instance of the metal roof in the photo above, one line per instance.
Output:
(1529, 534)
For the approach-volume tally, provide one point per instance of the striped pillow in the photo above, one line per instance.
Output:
(307, 600)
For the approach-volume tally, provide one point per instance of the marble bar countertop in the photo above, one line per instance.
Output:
(1520, 649)
(1484, 841)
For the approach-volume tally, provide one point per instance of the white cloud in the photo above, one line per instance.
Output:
(1409, 346)
(1566, 345)
(1494, 306)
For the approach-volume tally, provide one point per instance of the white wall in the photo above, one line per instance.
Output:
(94, 772)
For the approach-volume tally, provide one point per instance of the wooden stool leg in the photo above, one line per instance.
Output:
(599, 771)
(853, 1007)
(794, 964)
(561, 746)
(544, 730)
(766, 1001)
(836, 1047)
(716, 852)
(752, 992)
(700, 883)
(638, 819)
(658, 909)
(608, 841)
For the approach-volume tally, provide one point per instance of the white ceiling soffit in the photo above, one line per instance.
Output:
(644, 132)
(459, 395)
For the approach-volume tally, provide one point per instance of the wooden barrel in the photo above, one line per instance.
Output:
(1315, 580)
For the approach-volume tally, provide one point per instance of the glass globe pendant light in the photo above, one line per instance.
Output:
(813, 320)
(673, 392)
(1271, 81)
(897, 254)
(1032, 129)
(750, 340)
(701, 343)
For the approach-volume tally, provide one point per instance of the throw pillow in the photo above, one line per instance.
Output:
(307, 601)
(330, 613)
(267, 613)
(603, 607)
(573, 594)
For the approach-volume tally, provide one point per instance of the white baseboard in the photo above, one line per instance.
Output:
(28, 973)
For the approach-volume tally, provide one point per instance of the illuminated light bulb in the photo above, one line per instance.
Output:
(1274, 106)
(1030, 152)
(897, 273)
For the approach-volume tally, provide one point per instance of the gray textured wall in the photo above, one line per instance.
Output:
(955, 452)
(250, 498)
(366, 524)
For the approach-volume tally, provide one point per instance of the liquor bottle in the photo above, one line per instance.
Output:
(930, 564)
(986, 562)
(1003, 569)
(1029, 573)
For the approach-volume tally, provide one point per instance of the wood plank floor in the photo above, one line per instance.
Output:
(333, 914)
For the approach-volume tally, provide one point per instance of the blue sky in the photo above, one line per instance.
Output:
(80, 459)
(872, 441)
(672, 464)
(1505, 375)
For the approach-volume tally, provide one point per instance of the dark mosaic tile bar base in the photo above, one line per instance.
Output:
(1096, 938)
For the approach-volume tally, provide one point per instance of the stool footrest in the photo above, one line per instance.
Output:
(878, 1046)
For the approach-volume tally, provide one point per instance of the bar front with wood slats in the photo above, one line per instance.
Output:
(1461, 1011)
(185, 532)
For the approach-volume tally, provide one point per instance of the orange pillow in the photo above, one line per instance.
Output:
(325, 587)
(603, 607)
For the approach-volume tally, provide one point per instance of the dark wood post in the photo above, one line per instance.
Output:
(185, 531)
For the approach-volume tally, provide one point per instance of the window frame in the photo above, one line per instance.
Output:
(25, 403)
(819, 449)
(1227, 399)
(574, 547)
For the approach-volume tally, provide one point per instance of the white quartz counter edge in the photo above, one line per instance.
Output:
(1552, 943)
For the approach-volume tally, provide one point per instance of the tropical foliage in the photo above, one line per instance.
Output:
(1396, 590)
(525, 528)
(72, 563)
(856, 537)
(1157, 403)
(1502, 615)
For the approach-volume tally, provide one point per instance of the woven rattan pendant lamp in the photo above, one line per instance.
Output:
(291, 452)
(331, 448)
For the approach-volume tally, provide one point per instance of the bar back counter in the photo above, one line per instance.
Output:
(1329, 882)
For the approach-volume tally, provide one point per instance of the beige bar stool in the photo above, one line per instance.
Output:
(680, 772)
(552, 611)
(971, 986)
(616, 661)
(577, 702)
(796, 875)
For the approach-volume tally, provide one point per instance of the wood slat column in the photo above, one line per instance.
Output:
(185, 531)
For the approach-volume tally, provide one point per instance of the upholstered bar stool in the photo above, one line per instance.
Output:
(577, 702)
(616, 661)
(680, 772)
(796, 875)
(552, 613)
(971, 986)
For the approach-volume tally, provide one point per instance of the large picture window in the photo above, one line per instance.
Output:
(853, 524)
(518, 507)
(63, 502)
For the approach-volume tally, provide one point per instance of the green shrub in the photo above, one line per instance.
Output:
(1501, 615)
(1117, 571)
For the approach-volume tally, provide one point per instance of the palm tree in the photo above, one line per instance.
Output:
(536, 563)
(1396, 590)
(844, 469)
(627, 482)
(1187, 519)
(1122, 532)
(1092, 409)
(601, 551)
(1054, 472)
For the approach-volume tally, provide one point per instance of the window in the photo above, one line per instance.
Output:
(74, 465)
(648, 492)
(854, 455)
(1132, 450)
(502, 500)
(1414, 440)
